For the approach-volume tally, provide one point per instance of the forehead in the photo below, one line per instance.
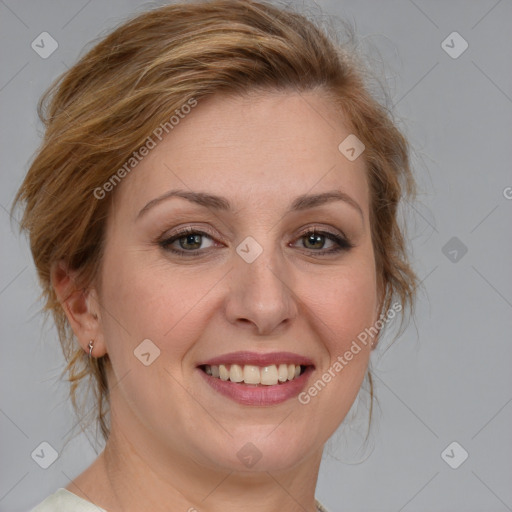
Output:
(261, 148)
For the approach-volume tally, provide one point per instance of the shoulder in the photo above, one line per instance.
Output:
(320, 507)
(63, 500)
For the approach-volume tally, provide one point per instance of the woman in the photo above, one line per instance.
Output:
(212, 215)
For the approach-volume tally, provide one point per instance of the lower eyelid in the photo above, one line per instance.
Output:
(340, 243)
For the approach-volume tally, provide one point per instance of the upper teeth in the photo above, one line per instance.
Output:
(250, 374)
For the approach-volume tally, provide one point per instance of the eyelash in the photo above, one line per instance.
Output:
(343, 243)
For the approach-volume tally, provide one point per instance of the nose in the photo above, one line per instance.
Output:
(260, 295)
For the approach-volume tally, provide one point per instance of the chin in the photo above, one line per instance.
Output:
(260, 452)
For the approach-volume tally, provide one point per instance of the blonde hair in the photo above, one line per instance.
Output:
(104, 108)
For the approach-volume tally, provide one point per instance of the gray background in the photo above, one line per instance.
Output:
(447, 379)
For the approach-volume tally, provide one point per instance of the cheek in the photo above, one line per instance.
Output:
(149, 301)
(346, 303)
(342, 307)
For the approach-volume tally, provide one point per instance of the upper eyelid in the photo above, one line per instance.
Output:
(186, 231)
(322, 230)
(191, 230)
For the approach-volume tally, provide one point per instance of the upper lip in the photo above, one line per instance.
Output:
(259, 359)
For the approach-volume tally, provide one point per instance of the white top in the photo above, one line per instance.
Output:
(63, 500)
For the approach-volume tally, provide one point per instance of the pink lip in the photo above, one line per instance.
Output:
(258, 395)
(257, 359)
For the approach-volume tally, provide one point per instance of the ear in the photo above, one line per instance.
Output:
(81, 306)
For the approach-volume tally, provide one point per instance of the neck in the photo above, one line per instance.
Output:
(137, 477)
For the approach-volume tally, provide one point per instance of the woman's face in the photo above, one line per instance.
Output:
(251, 286)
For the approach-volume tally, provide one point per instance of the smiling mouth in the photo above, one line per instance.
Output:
(255, 375)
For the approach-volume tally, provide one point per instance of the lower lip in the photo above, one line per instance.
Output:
(259, 395)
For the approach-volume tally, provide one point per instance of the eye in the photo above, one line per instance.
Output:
(314, 240)
(189, 241)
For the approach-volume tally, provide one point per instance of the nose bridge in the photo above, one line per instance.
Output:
(260, 288)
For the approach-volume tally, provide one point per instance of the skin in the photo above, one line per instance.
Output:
(174, 441)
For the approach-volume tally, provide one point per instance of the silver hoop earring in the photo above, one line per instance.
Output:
(91, 343)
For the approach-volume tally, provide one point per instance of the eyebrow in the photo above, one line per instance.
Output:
(215, 202)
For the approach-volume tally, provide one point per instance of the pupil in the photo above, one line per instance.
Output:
(192, 239)
(314, 238)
